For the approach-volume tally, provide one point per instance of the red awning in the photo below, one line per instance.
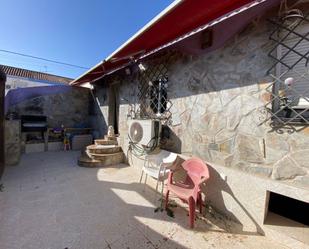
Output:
(181, 18)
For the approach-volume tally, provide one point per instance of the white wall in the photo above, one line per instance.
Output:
(14, 82)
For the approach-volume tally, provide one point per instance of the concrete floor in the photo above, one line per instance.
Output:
(48, 202)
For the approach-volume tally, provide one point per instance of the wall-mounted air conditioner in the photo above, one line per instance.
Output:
(144, 132)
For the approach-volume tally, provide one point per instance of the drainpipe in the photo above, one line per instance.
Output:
(2, 92)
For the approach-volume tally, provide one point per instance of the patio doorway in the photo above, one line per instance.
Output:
(113, 110)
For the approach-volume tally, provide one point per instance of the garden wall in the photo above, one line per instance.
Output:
(68, 108)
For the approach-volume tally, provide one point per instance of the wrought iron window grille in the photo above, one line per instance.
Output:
(153, 96)
(158, 95)
(288, 104)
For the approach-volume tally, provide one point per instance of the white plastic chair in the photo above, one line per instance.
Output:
(157, 166)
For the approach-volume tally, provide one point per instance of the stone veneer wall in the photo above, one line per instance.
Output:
(68, 108)
(99, 117)
(215, 114)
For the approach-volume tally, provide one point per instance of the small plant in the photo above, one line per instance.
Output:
(1, 187)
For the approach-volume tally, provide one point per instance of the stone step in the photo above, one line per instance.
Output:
(94, 160)
(108, 138)
(103, 149)
(112, 158)
(86, 161)
(105, 142)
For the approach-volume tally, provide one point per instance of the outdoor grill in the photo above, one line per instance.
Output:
(33, 123)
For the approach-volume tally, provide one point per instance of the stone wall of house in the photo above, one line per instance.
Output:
(217, 100)
(216, 114)
(69, 108)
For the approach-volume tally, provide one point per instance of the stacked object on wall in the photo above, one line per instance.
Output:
(104, 152)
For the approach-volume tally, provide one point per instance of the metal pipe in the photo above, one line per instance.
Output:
(159, 97)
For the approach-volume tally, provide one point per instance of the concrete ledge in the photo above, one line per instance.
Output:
(244, 198)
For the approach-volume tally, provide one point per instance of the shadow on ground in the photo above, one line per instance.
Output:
(50, 202)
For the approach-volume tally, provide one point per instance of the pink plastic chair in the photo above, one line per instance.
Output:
(189, 190)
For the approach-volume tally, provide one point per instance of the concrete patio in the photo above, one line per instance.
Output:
(48, 202)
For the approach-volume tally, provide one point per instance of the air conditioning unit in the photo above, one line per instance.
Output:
(144, 132)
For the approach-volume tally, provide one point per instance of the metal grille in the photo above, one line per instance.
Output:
(154, 102)
(289, 90)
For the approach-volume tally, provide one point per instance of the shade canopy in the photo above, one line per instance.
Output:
(180, 18)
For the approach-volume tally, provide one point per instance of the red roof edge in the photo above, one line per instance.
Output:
(180, 20)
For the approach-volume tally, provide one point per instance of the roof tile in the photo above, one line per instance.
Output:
(20, 72)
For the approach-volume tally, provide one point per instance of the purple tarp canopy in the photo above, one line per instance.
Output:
(18, 95)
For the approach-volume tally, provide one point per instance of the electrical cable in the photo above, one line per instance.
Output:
(139, 150)
(43, 59)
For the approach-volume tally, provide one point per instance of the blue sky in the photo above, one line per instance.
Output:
(77, 32)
